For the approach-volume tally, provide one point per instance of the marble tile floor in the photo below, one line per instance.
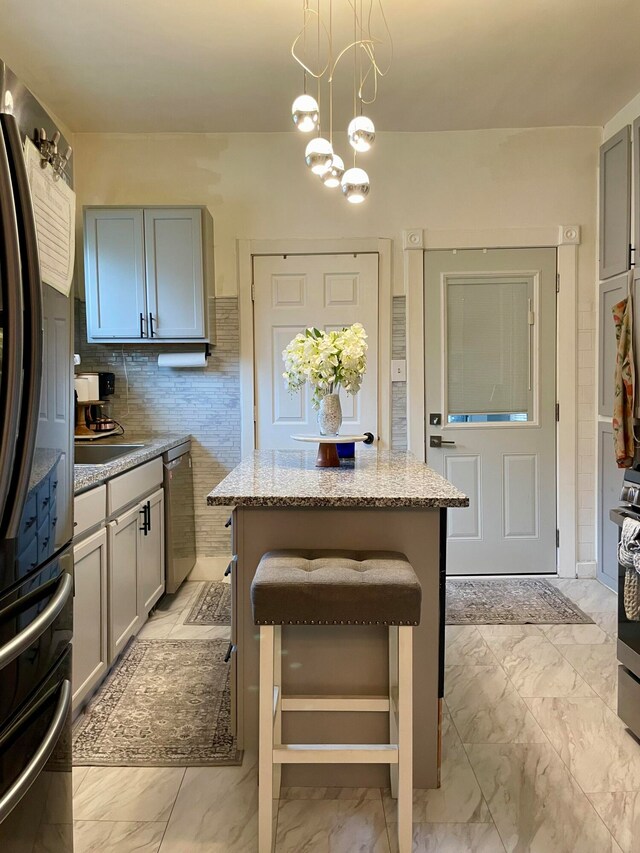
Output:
(534, 759)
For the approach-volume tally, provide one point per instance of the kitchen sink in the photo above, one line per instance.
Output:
(101, 454)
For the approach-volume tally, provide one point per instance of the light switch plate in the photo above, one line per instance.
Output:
(398, 370)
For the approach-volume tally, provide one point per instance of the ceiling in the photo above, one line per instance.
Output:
(224, 65)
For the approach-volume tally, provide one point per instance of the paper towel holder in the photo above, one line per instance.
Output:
(192, 359)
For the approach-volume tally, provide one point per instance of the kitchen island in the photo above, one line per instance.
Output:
(380, 501)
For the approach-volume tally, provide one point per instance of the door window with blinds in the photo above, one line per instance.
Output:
(488, 348)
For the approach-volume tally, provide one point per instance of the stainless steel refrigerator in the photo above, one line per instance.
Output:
(36, 508)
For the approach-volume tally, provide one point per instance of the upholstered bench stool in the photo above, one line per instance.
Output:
(336, 588)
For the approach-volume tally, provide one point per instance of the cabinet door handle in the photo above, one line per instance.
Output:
(142, 321)
(148, 505)
(229, 568)
(151, 323)
(230, 651)
(143, 513)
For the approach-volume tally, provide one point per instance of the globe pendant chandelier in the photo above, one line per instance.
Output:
(314, 50)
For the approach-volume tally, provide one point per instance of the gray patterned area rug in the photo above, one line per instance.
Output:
(166, 703)
(212, 606)
(509, 602)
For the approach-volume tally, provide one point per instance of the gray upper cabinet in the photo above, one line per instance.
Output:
(147, 274)
(610, 292)
(114, 273)
(615, 204)
(636, 202)
(173, 240)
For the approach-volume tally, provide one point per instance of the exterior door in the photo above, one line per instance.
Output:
(490, 331)
(292, 293)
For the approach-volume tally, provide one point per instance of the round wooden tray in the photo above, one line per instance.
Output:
(327, 451)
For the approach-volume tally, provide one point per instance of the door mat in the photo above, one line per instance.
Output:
(212, 606)
(167, 703)
(510, 602)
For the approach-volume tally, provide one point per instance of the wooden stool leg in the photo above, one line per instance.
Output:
(405, 739)
(393, 699)
(265, 746)
(277, 721)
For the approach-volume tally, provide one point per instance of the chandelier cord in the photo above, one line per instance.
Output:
(308, 114)
(319, 75)
(330, 78)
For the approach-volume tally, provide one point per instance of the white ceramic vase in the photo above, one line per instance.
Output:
(330, 415)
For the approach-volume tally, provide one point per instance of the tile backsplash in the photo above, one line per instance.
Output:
(202, 401)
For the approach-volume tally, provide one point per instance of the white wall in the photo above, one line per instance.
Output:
(257, 187)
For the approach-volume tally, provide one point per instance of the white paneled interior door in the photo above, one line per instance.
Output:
(490, 331)
(294, 292)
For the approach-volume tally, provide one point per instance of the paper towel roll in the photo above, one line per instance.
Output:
(182, 359)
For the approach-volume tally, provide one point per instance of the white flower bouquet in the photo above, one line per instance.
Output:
(326, 360)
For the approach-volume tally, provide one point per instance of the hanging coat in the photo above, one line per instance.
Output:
(623, 404)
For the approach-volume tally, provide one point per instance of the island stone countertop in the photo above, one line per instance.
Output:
(88, 476)
(374, 479)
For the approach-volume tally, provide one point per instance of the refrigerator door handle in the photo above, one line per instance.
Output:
(33, 331)
(43, 753)
(12, 306)
(21, 642)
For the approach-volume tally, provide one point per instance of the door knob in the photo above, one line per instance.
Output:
(436, 441)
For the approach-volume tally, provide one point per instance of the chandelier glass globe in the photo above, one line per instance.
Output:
(355, 185)
(305, 113)
(319, 155)
(361, 133)
(333, 175)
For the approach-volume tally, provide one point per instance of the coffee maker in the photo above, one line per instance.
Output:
(93, 418)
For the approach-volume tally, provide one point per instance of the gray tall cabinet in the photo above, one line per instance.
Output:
(614, 261)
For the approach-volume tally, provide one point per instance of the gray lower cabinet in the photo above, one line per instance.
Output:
(119, 570)
(124, 601)
(610, 484)
(90, 652)
(136, 568)
(151, 553)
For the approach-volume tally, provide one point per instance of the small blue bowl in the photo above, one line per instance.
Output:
(347, 451)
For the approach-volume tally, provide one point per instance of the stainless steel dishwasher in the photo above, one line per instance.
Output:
(180, 525)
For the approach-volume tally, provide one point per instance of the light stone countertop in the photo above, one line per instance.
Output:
(374, 479)
(88, 476)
